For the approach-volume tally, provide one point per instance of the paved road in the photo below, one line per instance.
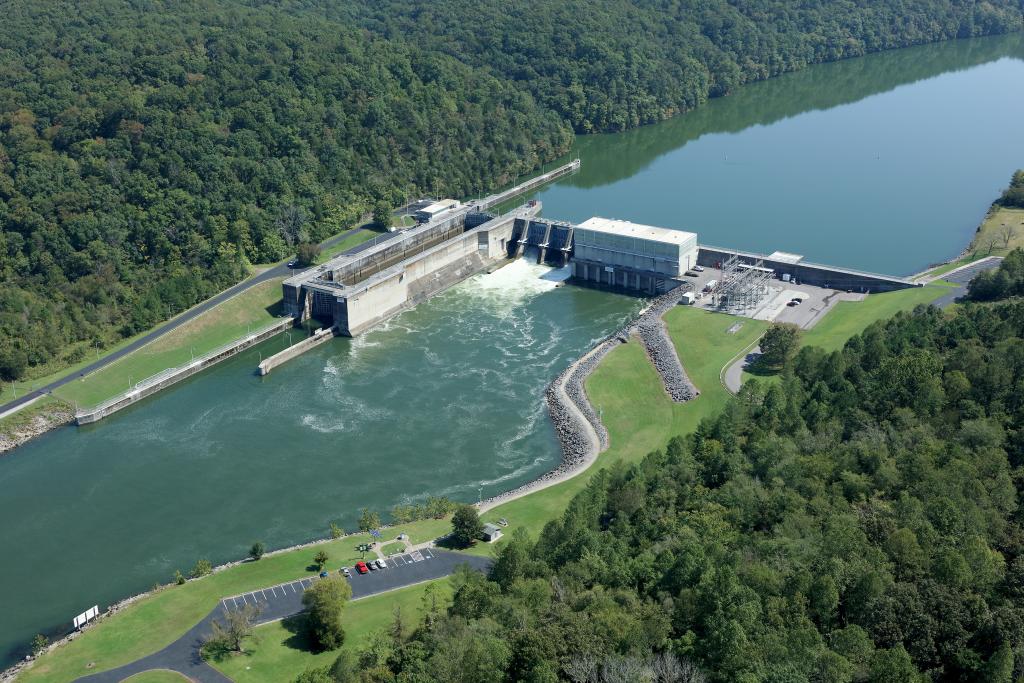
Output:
(284, 600)
(279, 270)
(963, 276)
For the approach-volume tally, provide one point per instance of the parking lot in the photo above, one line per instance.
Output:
(406, 569)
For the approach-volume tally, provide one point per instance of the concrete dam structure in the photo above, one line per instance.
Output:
(355, 292)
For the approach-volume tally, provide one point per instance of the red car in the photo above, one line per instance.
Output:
(361, 568)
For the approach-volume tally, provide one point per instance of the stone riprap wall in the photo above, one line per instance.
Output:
(577, 424)
(650, 328)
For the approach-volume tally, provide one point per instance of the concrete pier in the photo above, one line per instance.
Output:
(319, 337)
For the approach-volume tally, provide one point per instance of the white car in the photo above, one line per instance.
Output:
(380, 564)
(699, 269)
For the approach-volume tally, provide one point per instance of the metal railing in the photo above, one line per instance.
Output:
(167, 373)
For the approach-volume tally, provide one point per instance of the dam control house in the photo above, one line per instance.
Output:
(637, 257)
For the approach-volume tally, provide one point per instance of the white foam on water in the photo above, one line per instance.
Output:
(516, 283)
(322, 425)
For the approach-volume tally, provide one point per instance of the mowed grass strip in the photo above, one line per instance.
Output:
(849, 318)
(159, 619)
(280, 651)
(224, 323)
(640, 418)
(638, 413)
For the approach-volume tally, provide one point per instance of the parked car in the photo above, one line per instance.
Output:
(346, 573)
(381, 564)
(323, 574)
(797, 299)
(293, 263)
(691, 273)
(699, 269)
(793, 303)
(361, 567)
(372, 565)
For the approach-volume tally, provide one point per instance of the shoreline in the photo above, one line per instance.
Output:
(45, 419)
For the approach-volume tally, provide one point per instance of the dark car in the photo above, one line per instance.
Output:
(323, 574)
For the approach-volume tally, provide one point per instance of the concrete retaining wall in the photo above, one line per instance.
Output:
(175, 375)
(319, 337)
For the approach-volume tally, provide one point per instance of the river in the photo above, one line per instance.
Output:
(884, 163)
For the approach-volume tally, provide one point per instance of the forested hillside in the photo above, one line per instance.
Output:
(858, 521)
(149, 151)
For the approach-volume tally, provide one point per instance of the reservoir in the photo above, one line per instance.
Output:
(885, 163)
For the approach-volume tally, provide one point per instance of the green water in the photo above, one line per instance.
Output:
(884, 163)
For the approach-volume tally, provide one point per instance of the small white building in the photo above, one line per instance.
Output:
(431, 211)
(492, 532)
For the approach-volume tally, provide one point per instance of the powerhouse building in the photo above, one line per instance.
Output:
(630, 255)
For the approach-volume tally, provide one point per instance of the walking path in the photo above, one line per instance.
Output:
(284, 600)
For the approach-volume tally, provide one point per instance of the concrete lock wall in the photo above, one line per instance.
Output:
(816, 274)
(110, 407)
(421, 276)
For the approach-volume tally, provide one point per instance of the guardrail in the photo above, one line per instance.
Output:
(140, 388)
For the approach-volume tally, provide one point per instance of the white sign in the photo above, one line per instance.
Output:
(609, 269)
(86, 616)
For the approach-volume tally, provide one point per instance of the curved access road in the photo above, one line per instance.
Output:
(276, 271)
(284, 600)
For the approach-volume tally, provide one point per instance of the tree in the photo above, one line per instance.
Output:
(466, 526)
(325, 601)
(256, 551)
(336, 531)
(202, 567)
(306, 253)
(229, 636)
(368, 521)
(382, 214)
(989, 243)
(779, 343)
(179, 578)
(1007, 232)
(320, 560)
(39, 644)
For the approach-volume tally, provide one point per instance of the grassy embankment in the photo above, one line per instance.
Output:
(990, 240)
(247, 312)
(162, 617)
(640, 418)
(848, 318)
(281, 650)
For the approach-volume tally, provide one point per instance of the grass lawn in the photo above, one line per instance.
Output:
(157, 676)
(393, 548)
(251, 310)
(849, 318)
(993, 230)
(639, 415)
(159, 619)
(280, 650)
(351, 241)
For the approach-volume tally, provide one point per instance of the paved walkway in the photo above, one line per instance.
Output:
(285, 600)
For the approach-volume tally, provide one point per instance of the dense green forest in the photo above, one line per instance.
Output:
(857, 521)
(1005, 281)
(150, 151)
